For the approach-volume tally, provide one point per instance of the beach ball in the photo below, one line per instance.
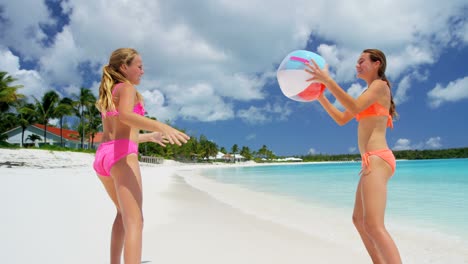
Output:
(292, 76)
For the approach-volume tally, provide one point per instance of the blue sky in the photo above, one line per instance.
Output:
(210, 66)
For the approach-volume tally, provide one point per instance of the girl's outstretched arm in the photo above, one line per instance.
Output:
(341, 118)
(155, 137)
(354, 106)
(127, 98)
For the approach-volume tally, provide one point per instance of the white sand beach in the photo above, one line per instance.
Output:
(54, 210)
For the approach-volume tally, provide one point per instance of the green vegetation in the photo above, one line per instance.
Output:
(432, 154)
(4, 144)
(59, 148)
(401, 154)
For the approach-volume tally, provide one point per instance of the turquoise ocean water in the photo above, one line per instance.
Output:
(428, 193)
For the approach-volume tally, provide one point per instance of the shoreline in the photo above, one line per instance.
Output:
(417, 244)
(67, 159)
(208, 230)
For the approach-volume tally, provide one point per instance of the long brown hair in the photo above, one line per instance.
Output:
(377, 55)
(111, 75)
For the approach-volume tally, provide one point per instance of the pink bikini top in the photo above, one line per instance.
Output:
(376, 109)
(138, 108)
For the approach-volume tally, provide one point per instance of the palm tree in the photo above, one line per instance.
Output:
(64, 108)
(33, 138)
(207, 148)
(7, 122)
(234, 149)
(94, 122)
(24, 116)
(83, 100)
(8, 97)
(223, 150)
(46, 108)
(245, 151)
(8, 93)
(211, 149)
(263, 152)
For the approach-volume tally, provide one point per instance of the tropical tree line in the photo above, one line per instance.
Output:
(16, 111)
(202, 149)
(451, 153)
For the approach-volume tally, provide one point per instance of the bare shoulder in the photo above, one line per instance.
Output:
(127, 89)
(127, 86)
(379, 86)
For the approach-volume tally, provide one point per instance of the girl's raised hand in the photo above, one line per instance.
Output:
(317, 74)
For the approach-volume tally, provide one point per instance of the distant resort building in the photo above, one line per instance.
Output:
(228, 157)
(289, 159)
(71, 138)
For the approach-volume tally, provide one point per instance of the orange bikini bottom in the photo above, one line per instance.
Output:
(385, 154)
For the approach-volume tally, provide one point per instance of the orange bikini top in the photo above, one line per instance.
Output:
(376, 109)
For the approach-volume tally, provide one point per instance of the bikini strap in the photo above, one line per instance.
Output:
(115, 87)
(390, 121)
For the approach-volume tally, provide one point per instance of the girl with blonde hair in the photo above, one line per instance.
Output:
(116, 162)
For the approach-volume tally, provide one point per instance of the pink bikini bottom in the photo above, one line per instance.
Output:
(110, 152)
(385, 154)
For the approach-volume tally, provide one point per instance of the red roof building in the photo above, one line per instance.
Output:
(70, 138)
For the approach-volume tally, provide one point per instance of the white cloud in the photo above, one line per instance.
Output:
(226, 49)
(9, 62)
(405, 144)
(282, 112)
(200, 102)
(251, 137)
(192, 103)
(463, 33)
(267, 113)
(434, 142)
(312, 151)
(401, 94)
(341, 61)
(402, 90)
(402, 144)
(22, 29)
(412, 56)
(454, 91)
(60, 61)
(352, 149)
(156, 107)
(461, 30)
(33, 83)
(253, 115)
(329, 53)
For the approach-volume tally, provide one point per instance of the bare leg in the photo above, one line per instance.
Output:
(118, 232)
(127, 178)
(117, 239)
(358, 220)
(374, 198)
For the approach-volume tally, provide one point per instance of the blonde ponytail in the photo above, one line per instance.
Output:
(111, 76)
(104, 102)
